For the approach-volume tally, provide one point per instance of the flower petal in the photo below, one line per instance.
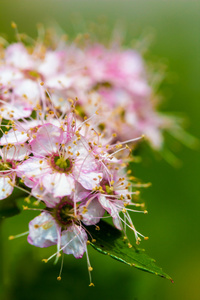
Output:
(59, 184)
(43, 231)
(75, 241)
(6, 188)
(17, 152)
(93, 213)
(47, 139)
(14, 137)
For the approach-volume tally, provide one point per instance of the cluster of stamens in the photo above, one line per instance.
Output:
(60, 163)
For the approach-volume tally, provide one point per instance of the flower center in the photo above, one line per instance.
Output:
(5, 166)
(107, 188)
(61, 164)
(32, 74)
(64, 213)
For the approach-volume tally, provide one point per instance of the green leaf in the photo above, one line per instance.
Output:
(8, 206)
(110, 241)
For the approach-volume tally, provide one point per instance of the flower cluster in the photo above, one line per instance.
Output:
(110, 79)
(69, 167)
(67, 114)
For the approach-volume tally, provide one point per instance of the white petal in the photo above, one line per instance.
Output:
(109, 206)
(8, 75)
(17, 152)
(14, 137)
(60, 81)
(59, 184)
(89, 180)
(43, 231)
(93, 214)
(50, 64)
(43, 195)
(118, 223)
(5, 188)
(75, 239)
(33, 168)
(17, 110)
(17, 55)
(47, 139)
(29, 89)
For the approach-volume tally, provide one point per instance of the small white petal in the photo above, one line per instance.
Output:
(17, 152)
(59, 184)
(14, 137)
(33, 168)
(47, 139)
(43, 231)
(6, 188)
(93, 214)
(75, 239)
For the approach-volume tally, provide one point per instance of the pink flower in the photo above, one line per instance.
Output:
(60, 159)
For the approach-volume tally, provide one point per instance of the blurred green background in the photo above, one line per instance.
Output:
(173, 200)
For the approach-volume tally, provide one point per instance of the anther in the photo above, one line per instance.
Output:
(91, 284)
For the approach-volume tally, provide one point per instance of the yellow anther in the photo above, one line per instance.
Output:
(129, 245)
(90, 269)
(91, 284)
(11, 237)
(27, 200)
(13, 25)
(146, 238)
(45, 260)
(58, 278)
(93, 241)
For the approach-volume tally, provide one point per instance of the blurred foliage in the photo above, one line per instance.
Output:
(173, 200)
